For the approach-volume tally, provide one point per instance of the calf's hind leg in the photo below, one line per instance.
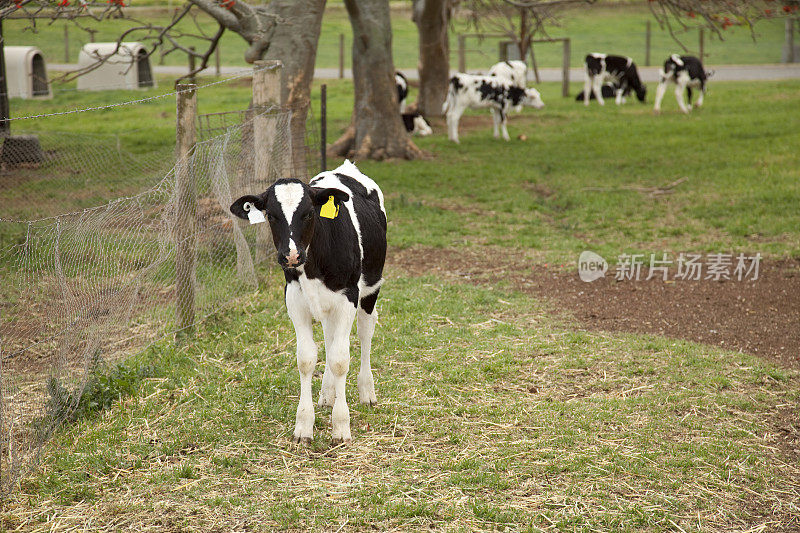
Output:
(367, 317)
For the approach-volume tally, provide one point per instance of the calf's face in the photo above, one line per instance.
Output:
(641, 92)
(533, 98)
(292, 210)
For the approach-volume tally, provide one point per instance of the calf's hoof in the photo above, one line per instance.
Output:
(338, 441)
(301, 440)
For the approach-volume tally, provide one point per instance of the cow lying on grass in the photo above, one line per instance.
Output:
(416, 124)
(496, 93)
(330, 236)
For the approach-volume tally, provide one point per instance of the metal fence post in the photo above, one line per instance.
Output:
(266, 92)
(185, 210)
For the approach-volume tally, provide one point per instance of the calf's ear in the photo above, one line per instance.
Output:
(320, 196)
(237, 208)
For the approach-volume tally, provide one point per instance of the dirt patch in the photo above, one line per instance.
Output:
(761, 317)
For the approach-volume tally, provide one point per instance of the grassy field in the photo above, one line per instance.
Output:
(495, 412)
(605, 28)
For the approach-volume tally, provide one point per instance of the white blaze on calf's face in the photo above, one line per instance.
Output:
(289, 196)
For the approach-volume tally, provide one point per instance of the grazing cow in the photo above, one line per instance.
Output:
(402, 89)
(498, 94)
(416, 124)
(685, 72)
(514, 70)
(330, 236)
(620, 71)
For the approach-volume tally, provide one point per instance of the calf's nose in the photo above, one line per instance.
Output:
(293, 259)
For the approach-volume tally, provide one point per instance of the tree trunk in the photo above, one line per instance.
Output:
(377, 130)
(432, 18)
(287, 30)
(295, 44)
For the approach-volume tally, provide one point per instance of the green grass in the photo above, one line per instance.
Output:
(494, 412)
(725, 149)
(738, 154)
(611, 29)
(520, 423)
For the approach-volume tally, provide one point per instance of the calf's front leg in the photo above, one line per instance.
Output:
(587, 89)
(336, 327)
(452, 125)
(679, 89)
(660, 90)
(504, 122)
(306, 360)
(597, 88)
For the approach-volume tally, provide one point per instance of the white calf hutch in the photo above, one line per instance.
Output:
(26, 72)
(126, 66)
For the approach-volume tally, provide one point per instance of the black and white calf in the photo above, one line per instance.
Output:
(416, 124)
(686, 72)
(331, 241)
(402, 89)
(514, 70)
(496, 93)
(618, 70)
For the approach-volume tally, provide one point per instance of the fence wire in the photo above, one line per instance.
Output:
(87, 286)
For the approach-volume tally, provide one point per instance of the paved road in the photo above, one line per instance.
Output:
(648, 74)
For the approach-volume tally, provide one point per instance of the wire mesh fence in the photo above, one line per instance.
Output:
(88, 254)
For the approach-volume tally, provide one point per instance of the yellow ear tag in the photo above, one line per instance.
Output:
(329, 210)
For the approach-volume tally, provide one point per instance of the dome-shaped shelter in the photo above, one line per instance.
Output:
(26, 72)
(126, 66)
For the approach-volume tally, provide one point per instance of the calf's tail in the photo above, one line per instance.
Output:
(448, 102)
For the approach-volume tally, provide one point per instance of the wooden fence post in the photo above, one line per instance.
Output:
(702, 45)
(565, 62)
(66, 43)
(647, 38)
(788, 44)
(462, 54)
(191, 65)
(185, 210)
(267, 77)
(323, 127)
(341, 56)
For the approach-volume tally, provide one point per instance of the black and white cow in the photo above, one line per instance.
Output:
(331, 241)
(402, 89)
(514, 70)
(620, 71)
(496, 93)
(416, 124)
(686, 72)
